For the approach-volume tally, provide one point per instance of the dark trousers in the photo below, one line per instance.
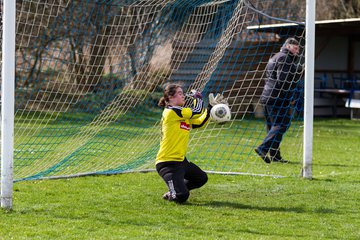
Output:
(181, 177)
(278, 120)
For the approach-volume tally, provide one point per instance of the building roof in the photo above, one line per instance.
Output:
(349, 26)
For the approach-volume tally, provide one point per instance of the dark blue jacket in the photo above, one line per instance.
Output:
(282, 74)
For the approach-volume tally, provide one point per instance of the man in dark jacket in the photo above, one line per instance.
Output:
(282, 74)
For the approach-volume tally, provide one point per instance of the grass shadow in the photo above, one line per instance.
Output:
(226, 204)
(338, 165)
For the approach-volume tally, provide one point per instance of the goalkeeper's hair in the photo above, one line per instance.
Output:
(170, 90)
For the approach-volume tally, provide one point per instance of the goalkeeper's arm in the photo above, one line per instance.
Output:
(191, 113)
(202, 120)
(198, 108)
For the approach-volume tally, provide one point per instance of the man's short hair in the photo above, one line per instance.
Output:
(292, 41)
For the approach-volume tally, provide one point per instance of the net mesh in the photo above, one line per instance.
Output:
(89, 75)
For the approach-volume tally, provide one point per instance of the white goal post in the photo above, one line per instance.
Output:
(7, 102)
(309, 88)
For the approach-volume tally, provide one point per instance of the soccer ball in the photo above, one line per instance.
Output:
(220, 113)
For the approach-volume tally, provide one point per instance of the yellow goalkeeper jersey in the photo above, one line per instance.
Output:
(176, 123)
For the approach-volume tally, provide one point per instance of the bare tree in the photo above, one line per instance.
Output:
(337, 9)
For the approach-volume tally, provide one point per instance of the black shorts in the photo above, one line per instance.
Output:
(181, 177)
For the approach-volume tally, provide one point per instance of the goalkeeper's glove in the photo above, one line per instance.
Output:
(194, 94)
(218, 99)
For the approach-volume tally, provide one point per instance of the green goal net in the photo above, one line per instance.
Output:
(89, 75)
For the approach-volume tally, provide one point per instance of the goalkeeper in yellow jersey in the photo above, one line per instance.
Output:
(179, 174)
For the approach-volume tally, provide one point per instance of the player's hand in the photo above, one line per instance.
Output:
(194, 94)
(218, 99)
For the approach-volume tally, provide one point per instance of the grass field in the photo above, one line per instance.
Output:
(129, 206)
